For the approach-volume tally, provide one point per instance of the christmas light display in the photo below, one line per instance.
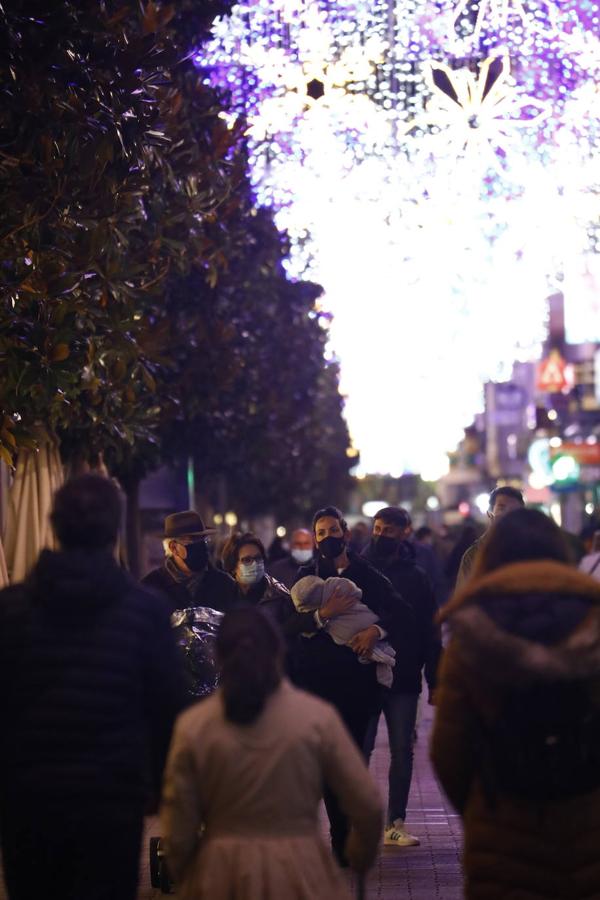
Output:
(436, 167)
(477, 115)
(499, 12)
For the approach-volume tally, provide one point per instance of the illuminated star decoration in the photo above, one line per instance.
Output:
(499, 12)
(478, 116)
(423, 211)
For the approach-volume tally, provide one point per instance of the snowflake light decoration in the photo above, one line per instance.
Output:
(478, 115)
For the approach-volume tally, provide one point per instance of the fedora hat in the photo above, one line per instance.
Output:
(181, 524)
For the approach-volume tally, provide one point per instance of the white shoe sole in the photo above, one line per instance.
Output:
(406, 842)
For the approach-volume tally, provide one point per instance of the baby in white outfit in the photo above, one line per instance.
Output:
(311, 593)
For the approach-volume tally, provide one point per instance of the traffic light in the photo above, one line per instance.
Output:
(565, 471)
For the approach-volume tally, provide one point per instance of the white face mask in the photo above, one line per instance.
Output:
(251, 573)
(301, 556)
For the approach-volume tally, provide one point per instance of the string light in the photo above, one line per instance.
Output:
(437, 168)
(499, 13)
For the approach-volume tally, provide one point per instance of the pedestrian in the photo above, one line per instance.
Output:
(359, 537)
(502, 500)
(301, 553)
(244, 781)
(465, 546)
(188, 578)
(90, 685)
(516, 741)
(278, 549)
(244, 558)
(417, 642)
(332, 671)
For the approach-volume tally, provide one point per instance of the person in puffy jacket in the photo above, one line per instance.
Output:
(516, 738)
(90, 684)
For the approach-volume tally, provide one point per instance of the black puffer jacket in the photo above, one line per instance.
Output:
(90, 684)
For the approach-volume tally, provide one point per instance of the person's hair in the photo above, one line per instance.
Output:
(250, 657)
(231, 549)
(506, 491)
(334, 513)
(394, 515)
(423, 532)
(86, 513)
(520, 536)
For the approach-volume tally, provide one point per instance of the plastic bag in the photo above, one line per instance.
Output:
(196, 629)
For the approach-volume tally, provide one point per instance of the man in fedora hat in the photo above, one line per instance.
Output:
(187, 577)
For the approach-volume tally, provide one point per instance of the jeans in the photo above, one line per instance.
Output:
(400, 711)
(357, 724)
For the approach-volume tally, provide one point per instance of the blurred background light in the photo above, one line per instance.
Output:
(437, 228)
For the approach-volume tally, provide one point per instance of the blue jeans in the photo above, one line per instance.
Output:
(400, 711)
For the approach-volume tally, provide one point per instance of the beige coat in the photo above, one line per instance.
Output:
(255, 791)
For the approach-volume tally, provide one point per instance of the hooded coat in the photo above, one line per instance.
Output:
(526, 625)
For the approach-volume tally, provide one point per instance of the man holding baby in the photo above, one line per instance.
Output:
(342, 647)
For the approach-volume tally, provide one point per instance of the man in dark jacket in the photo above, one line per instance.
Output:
(188, 578)
(335, 672)
(90, 685)
(396, 558)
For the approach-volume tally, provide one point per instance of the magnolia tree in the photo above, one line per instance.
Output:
(145, 313)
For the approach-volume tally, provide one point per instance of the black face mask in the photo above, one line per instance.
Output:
(384, 546)
(196, 556)
(331, 547)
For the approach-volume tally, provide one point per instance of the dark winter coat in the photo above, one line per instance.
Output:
(333, 671)
(284, 570)
(428, 560)
(272, 597)
(415, 635)
(90, 685)
(211, 588)
(523, 625)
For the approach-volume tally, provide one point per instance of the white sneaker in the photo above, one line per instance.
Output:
(396, 835)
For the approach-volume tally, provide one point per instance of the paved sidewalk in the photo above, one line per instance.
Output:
(428, 872)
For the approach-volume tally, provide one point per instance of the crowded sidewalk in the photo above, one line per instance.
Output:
(428, 872)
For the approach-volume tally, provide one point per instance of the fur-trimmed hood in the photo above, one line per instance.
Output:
(527, 623)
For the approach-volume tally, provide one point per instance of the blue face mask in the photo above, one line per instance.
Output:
(251, 573)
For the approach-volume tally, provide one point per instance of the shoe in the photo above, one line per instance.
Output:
(396, 835)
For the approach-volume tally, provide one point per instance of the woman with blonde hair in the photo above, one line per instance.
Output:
(245, 776)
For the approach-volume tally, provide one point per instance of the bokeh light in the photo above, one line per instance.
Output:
(436, 167)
